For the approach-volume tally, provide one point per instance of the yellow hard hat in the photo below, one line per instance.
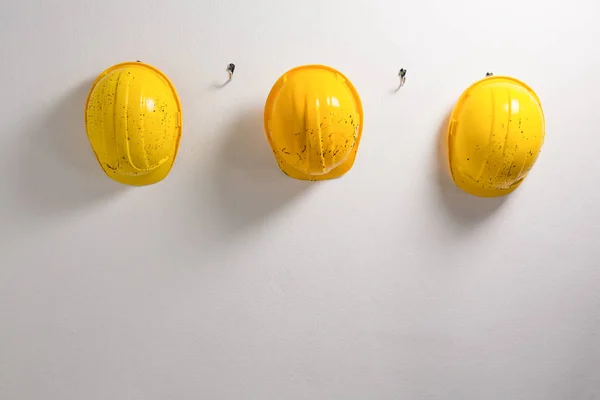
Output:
(495, 135)
(133, 123)
(313, 122)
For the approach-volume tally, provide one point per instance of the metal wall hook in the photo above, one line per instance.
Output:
(402, 75)
(230, 69)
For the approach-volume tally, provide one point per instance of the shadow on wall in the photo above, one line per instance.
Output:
(248, 183)
(467, 210)
(57, 170)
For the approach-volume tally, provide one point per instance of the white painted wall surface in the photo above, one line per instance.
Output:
(229, 280)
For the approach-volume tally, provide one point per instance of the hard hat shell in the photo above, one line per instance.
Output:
(313, 121)
(133, 123)
(495, 135)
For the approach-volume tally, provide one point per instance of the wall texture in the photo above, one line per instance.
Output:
(229, 280)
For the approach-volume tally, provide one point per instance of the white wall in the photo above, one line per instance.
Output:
(229, 280)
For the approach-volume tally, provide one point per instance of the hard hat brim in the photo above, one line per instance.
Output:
(149, 178)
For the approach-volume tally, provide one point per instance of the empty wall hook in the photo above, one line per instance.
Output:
(230, 69)
(402, 76)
